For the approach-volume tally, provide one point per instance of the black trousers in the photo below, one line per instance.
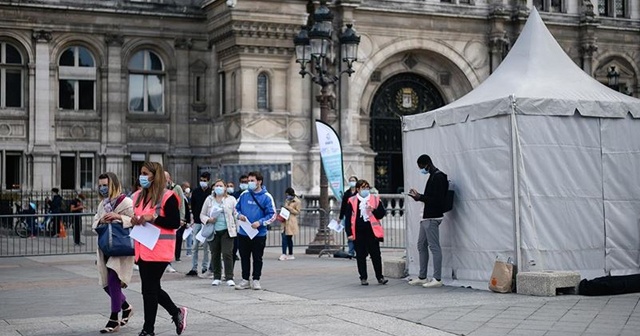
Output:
(179, 242)
(77, 228)
(251, 248)
(152, 294)
(367, 244)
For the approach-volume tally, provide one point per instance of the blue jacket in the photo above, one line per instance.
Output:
(247, 206)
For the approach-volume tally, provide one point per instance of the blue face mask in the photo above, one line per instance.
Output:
(104, 191)
(289, 197)
(219, 191)
(364, 192)
(352, 184)
(244, 186)
(424, 171)
(144, 181)
(230, 190)
(253, 185)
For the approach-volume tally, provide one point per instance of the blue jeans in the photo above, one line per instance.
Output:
(189, 243)
(287, 243)
(195, 250)
(429, 239)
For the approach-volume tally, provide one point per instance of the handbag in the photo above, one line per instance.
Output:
(502, 277)
(114, 240)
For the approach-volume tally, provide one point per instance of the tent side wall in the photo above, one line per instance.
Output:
(561, 197)
(476, 155)
(621, 176)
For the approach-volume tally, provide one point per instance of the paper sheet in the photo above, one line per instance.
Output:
(335, 226)
(284, 213)
(187, 233)
(200, 237)
(246, 226)
(215, 211)
(146, 234)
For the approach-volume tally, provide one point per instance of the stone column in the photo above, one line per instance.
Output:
(44, 168)
(588, 25)
(113, 112)
(180, 155)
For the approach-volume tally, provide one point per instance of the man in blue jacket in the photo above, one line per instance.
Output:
(255, 206)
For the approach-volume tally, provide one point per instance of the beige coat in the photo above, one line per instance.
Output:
(290, 226)
(123, 266)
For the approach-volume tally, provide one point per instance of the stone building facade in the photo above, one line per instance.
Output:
(89, 86)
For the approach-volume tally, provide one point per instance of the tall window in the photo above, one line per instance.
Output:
(613, 8)
(77, 170)
(222, 91)
(11, 76)
(77, 79)
(146, 83)
(233, 92)
(263, 91)
(553, 6)
(12, 169)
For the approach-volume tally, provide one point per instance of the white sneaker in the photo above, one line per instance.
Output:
(283, 257)
(418, 282)
(244, 284)
(291, 257)
(136, 267)
(433, 284)
(256, 285)
(170, 269)
(230, 283)
(215, 282)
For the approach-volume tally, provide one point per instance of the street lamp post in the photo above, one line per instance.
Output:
(614, 78)
(314, 45)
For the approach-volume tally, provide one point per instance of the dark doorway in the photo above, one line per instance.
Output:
(402, 94)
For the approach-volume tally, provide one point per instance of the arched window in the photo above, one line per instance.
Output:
(76, 79)
(263, 91)
(11, 76)
(146, 82)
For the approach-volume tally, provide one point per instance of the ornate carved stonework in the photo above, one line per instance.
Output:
(115, 40)
(588, 49)
(183, 43)
(42, 35)
(265, 37)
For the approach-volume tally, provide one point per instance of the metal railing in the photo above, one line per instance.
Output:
(17, 238)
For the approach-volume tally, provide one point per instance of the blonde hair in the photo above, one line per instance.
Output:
(156, 190)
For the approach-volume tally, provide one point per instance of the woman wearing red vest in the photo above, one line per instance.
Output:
(365, 230)
(155, 205)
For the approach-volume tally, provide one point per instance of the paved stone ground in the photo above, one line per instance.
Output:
(58, 295)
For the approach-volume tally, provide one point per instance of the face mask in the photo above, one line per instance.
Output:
(144, 181)
(230, 190)
(104, 191)
(352, 184)
(219, 191)
(187, 190)
(424, 171)
(203, 184)
(244, 186)
(364, 193)
(289, 197)
(253, 185)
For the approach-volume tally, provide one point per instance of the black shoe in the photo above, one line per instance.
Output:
(364, 282)
(180, 319)
(383, 281)
(236, 258)
(144, 333)
(192, 273)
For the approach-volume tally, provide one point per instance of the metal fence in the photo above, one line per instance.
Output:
(30, 235)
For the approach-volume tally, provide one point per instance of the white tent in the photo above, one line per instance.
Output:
(544, 130)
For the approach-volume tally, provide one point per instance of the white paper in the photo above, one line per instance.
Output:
(215, 211)
(284, 213)
(146, 234)
(335, 226)
(246, 226)
(200, 237)
(187, 233)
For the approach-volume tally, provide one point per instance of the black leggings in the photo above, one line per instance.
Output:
(152, 293)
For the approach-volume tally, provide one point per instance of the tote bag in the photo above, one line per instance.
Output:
(114, 240)
(502, 277)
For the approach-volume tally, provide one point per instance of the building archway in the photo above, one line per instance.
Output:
(402, 94)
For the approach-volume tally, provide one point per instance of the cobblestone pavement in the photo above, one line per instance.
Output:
(59, 295)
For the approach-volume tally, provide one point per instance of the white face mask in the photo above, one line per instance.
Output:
(203, 184)
(187, 190)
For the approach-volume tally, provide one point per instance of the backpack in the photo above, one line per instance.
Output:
(448, 198)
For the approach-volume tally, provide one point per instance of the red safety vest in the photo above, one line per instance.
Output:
(166, 245)
(375, 223)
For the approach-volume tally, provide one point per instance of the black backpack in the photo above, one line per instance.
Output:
(448, 199)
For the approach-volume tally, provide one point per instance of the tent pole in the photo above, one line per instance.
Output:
(516, 191)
